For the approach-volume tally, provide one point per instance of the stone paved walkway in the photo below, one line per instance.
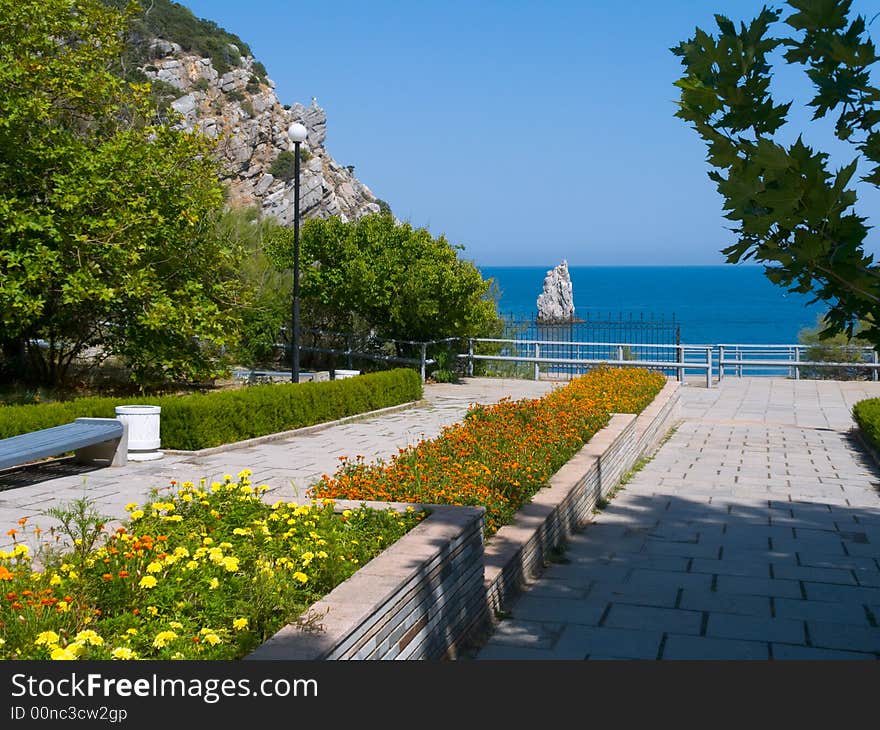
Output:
(753, 534)
(288, 466)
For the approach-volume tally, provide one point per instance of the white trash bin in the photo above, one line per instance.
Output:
(143, 431)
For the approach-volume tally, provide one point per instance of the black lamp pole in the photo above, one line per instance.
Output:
(294, 374)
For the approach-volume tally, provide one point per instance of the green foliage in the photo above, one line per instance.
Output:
(266, 308)
(837, 348)
(384, 208)
(283, 166)
(399, 281)
(201, 85)
(866, 414)
(235, 95)
(202, 421)
(792, 213)
(107, 214)
(176, 23)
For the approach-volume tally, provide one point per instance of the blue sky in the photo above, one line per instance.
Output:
(528, 132)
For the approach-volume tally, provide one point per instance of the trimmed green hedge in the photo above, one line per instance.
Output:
(867, 415)
(200, 421)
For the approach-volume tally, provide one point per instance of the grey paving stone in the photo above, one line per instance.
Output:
(680, 647)
(605, 641)
(629, 593)
(733, 626)
(747, 568)
(841, 593)
(845, 636)
(670, 579)
(758, 586)
(818, 575)
(652, 618)
(536, 608)
(800, 653)
(714, 601)
(532, 634)
(834, 612)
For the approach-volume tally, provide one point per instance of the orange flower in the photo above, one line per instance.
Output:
(123, 574)
(5, 573)
(107, 576)
(23, 521)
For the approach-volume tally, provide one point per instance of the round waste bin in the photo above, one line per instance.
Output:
(143, 431)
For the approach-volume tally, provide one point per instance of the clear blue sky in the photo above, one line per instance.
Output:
(526, 131)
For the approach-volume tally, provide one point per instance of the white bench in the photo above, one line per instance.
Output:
(94, 440)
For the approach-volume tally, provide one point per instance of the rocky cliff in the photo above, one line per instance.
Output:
(241, 111)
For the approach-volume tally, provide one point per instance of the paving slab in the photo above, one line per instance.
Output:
(761, 518)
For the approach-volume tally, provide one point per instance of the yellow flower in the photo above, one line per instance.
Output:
(21, 550)
(130, 506)
(186, 497)
(212, 639)
(137, 514)
(301, 577)
(55, 580)
(89, 637)
(148, 581)
(47, 637)
(207, 541)
(244, 473)
(192, 565)
(172, 518)
(181, 552)
(176, 625)
(321, 554)
(213, 584)
(62, 606)
(163, 638)
(154, 567)
(242, 531)
(231, 564)
(59, 654)
(131, 632)
(123, 652)
(239, 624)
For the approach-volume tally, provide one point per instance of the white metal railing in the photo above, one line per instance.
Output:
(708, 359)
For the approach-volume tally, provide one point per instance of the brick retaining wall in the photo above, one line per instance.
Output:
(428, 593)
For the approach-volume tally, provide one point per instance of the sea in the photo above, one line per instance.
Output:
(711, 304)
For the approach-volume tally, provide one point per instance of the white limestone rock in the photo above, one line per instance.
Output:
(556, 301)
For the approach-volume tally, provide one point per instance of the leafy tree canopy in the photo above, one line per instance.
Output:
(107, 215)
(791, 212)
(399, 280)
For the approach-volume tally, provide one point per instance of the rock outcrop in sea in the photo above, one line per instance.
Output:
(556, 301)
(240, 109)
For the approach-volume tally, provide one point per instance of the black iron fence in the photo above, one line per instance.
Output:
(591, 336)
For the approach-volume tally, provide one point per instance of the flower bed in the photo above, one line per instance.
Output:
(502, 454)
(200, 573)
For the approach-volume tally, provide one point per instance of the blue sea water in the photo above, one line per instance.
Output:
(713, 304)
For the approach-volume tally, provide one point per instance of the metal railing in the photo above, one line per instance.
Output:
(706, 359)
(566, 358)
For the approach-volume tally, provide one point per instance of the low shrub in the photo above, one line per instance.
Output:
(867, 416)
(199, 421)
(501, 454)
(198, 573)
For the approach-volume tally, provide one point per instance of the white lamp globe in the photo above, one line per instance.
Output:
(297, 132)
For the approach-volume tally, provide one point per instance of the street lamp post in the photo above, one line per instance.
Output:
(297, 134)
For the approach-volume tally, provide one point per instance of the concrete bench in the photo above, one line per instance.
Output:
(93, 440)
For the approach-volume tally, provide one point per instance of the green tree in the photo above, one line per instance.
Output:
(107, 214)
(397, 280)
(791, 212)
(836, 348)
